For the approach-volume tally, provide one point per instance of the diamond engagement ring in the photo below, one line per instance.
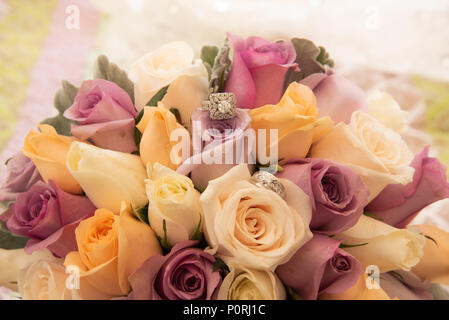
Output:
(221, 105)
(268, 181)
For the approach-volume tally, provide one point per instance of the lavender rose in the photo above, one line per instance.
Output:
(218, 137)
(105, 114)
(258, 70)
(337, 193)
(22, 174)
(48, 216)
(186, 273)
(320, 266)
(337, 97)
(397, 204)
(405, 285)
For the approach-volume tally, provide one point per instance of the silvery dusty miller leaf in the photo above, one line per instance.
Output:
(110, 71)
(63, 100)
(208, 54)
(221, 68)
(308, 58)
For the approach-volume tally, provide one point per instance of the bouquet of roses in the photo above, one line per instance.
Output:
(255, 172)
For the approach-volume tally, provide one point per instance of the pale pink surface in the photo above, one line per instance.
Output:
(64, 56)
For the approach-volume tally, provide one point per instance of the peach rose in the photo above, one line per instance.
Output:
(110, 248)
(297, 120)
(48, 150)
(252, 226)
(377, 153)
(434, 265)
(157, 126)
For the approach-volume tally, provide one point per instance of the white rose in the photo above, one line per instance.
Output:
(11, 261)
(384, 108)
(173, 199)
(253, 226)
(248, 284)
(108, 177)
(377, 153)
(44, 280)
(387, 247)
(172, 64)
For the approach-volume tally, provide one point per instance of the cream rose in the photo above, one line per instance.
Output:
(14, 260)
(44, 280)
(173, 199)
(171, 65)
(377, 153)
(384, 108)
(384, 246)
(108, 177)
(253, 226)
(249, 284)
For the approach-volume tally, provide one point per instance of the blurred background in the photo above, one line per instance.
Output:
(398, 46)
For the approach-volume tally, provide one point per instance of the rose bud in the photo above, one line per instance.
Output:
(320, 266)
(105, 115)
(21, 175)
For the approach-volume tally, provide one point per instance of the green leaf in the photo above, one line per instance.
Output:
(438, 292)
(352, 245)
(310, 59)
(220, 69)
(431, 239)
(371, 215)
(137, 133)
(64, 98)
(8, 240)
(208, 54)
(220, 265)
(197, 234)
(157, 97)
(324, 57)
(111, 72)
(177, 115)
(199, 189)
(141, 214)
(163, 240)
(291, 295)
(60, 123)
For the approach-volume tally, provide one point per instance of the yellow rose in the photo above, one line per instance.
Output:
(44, 280)
(296, 119)
(173, 199)
(384, 246)
(434, 265)
(242, 283)
(48, 151)
(157, 126)
(377, 153)
(171, 65)
(108, 177)
(252, 226)
(110, 248)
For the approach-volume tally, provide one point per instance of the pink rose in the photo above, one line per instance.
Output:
(105, 114)
(398, 204)
(48, 216)
(258, 70)
(337, 97)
